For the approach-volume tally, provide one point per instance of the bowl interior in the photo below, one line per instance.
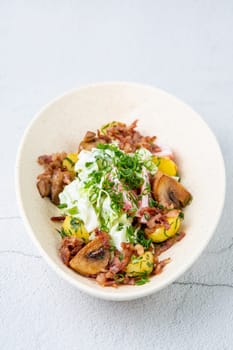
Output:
(60, 127)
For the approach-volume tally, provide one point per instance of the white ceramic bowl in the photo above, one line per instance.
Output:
(60, 126)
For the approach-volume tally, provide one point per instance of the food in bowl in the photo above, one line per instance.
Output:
(121, 203)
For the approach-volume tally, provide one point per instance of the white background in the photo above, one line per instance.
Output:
(47, 47)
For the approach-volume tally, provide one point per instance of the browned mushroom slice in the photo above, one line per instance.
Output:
(88, 145)
(90, 136)
(170, 193)
(91, 259)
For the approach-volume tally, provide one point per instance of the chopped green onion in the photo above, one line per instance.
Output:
(62, 206)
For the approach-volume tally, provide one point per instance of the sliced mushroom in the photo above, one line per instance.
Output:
(169, 192)
(88, 145)
(91, 259)
(90, 136)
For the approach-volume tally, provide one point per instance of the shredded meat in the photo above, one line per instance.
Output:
(117, 265)
(160, 266)
(52, 181)
(69, 248)
(104, 236)
(157, 219)
(153, 218)
(106, 281)
(103, 137)
(52, 161)
(120, 265)
(130, 139)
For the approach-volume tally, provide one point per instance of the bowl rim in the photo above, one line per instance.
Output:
(102, 294)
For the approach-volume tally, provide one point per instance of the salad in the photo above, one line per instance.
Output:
(121, 204)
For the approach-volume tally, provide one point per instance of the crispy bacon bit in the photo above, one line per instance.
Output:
(101, 278)
(45, 159)
(129, 280)
(106, 281)
(67, 177)
(139, 249)
(160, 266)
(162, 247)
(57, 218)
(153, 218)
(69, 248)
(104, 237)
(130, 139)
(158, 220)
(52, 161)
(118, 264)
(150, 211)
(103, 281)
(127, 251)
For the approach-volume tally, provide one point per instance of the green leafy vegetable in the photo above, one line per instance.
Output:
(62, 206)
(142, 280)
(62, 233)
(181, 215)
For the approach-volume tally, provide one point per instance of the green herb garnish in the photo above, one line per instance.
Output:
(120, 226)
(130, 234)
(119, 277)
(62, 206)
(181, 215)
(141, 239)
(73, 211)
(62, 232)
(69, 160)
(75, 223)
(121, 256)
(142, 280)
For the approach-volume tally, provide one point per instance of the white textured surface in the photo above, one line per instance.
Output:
(47, 47)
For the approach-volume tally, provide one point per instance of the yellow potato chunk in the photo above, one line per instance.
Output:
(69, 161)
(140, 265)
(74, 227)
(166, 165)
(161, 234)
